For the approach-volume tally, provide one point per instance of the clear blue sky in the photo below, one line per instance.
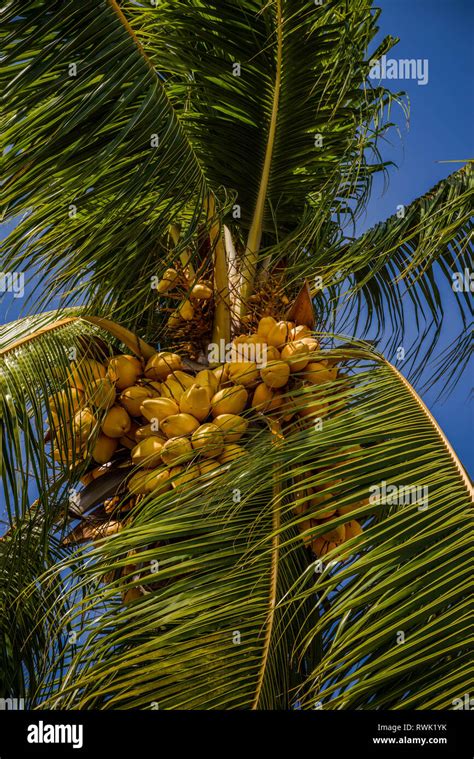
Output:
(442, 115)
(440, 129)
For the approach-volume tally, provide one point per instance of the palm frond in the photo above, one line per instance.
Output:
(96, 161)
(374, 624)
(275, 100)
(409, 270)
(35, 363)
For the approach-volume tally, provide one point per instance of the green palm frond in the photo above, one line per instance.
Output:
(407, 270)
(221, 566)
(28, 647)
(275, 100)
(96, 161)
(35, 363)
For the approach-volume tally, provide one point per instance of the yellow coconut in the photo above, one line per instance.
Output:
(176, 384)
(180, 476)
(174, 320)
(206, 378)
(342, 510)
(221, 374)
(275, 374)
(271, 353)
(195, 401)
(162, 364)
(150, 481)
(232, 426)
(353, 529)
(133, 397)
(116, 422)
(334, 534)
(179, 425)
(148, 452)
(149, 430)
(321, 547)
(266, 399)
(243, 373)
(153, 386)
(311, 342)
(124, 371)
(209, 468)
(157, 409)
(297, 356)
(265, 324)
(201, 292)
(66, 403)
(279, 334)
(129, 440)
(316, 503)
(208, 440)
(100, 394)
(186, 311)
(317, 373)
(104, 448)
(231, 452)
(167, 281)
(84, 372)
(300, 331)
(229, 400)
(84, 423)
(176, 450)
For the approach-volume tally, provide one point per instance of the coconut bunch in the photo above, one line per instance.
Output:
(313, 503)
(101, 401)
(191, 313)
(171, 426)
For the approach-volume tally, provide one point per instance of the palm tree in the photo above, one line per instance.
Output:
(236, 139)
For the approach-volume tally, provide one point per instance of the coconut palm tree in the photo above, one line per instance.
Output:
(235, 143)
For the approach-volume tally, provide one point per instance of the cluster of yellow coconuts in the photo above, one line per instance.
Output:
(200, 291)
(311, 501)
(179, 426)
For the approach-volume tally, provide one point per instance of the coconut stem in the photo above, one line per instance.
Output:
(221, 326)
(255, 233)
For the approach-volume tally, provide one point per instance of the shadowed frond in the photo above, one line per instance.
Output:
(209, 572)
(275, 100)
(36, 355)
(96, 162)
(408, 270)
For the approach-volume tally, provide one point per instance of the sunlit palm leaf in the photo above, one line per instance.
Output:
(256, 87)
(406, 269)
(35, 363)
(206, 558)
(96, 163)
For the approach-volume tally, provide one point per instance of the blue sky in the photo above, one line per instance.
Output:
(440, 129)
(441, 119)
